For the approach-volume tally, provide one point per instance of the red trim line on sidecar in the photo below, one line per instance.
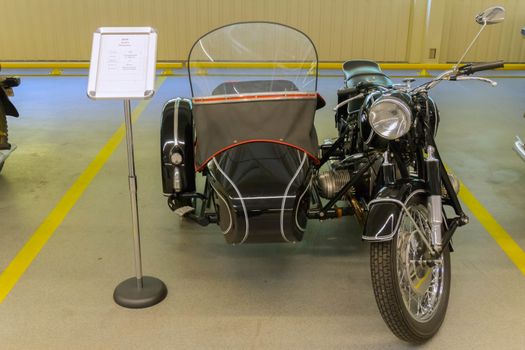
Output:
(203, 165)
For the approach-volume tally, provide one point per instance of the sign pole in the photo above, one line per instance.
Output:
(132, 179)
(139, 291)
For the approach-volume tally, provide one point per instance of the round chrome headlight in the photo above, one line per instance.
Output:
(390, 117)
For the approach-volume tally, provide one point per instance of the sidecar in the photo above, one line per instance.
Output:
(253, 140)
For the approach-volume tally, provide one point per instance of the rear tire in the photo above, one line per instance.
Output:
(410, 288)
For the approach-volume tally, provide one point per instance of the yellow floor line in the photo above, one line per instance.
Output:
(34, 245)
(504, 240)
(421, 281)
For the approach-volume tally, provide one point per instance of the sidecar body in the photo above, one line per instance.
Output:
(253, 139)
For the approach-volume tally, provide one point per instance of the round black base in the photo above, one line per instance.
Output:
(128, 294)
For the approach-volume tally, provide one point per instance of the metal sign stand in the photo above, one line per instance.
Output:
(139, 291)
(123, 67)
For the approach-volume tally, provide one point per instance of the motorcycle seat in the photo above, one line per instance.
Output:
(364, 72)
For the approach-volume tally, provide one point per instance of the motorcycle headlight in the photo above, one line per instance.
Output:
(390, 117)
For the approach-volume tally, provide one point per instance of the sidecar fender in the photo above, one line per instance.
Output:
(177, 136)
(384, 211)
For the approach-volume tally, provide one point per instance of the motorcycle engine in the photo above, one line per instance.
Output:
(330, 182)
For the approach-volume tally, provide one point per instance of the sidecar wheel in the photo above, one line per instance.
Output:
(411, 289)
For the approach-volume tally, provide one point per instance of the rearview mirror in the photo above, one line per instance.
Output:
(492, 15)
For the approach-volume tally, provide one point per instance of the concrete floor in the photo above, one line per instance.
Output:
(312, 295)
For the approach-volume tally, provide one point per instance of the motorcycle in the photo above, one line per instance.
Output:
(253, 139)
(6, 108)
(391, 129)
(519, 147)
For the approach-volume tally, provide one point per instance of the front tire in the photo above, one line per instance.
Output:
(411, 288)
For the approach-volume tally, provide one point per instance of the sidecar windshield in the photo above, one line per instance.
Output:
(252, 57)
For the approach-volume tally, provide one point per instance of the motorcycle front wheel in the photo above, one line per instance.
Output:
(411, 288)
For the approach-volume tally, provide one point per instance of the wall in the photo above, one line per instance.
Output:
(383, 30)
(501, 41)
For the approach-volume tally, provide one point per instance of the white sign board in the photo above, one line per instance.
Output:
(123, 61)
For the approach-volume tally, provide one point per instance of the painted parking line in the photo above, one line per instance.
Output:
(37, 241)
(498, 233)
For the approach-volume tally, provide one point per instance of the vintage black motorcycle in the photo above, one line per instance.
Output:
(254, 141)
(6, 108)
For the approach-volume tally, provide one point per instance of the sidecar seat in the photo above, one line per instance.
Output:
(363, 71)
(261, 193)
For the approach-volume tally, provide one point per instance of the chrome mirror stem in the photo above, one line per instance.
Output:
(470, 46)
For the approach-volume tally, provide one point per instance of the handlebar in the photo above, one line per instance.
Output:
(478, 67)
(485, 80)
(461, 73)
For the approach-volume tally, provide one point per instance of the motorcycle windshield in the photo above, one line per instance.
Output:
(250, 58)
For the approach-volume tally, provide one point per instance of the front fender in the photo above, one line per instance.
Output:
(384, 211)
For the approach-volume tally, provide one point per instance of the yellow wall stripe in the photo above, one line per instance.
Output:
(34, 245)
(504, 240)
(180, 65)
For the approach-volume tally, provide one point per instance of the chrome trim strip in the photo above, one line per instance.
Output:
(286, 194)
(176, 182)
(227, 207)
(255, 94)
(176, 120)
(405, 210)
(302, 229)
(247, 225)
(263, 197)
(177, 185)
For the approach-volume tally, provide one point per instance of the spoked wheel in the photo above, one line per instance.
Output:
(411, 287)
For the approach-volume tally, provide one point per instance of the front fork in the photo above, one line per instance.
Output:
(435, 204)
